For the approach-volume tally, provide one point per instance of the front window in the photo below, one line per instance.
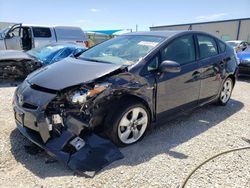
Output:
(181, 50)
(124, 50)
(14, 32)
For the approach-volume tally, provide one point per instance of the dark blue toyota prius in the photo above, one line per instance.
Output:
(119, 88)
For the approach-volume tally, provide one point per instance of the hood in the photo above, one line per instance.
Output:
(69, 72)
(13, 54)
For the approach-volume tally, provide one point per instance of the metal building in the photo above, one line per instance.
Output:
(236, 29)
(5, 24)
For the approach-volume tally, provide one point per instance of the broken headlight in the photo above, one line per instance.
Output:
(80, 96)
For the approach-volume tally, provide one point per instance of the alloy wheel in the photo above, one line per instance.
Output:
(226, 91)
(132, 125)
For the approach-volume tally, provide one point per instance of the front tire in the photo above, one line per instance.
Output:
(129, 124)
(226, 92)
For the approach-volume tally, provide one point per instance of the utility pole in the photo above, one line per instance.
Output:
(136, 27)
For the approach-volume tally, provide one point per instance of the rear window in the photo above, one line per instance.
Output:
(41, 32)
(222, 46)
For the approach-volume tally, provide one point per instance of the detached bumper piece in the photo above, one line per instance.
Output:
(84, 156)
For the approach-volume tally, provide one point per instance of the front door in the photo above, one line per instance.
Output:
(13, 38)
(178, 91)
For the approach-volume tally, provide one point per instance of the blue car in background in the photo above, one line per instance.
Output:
(16, 65)
(244, 58)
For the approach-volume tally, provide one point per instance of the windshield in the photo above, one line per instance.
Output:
(233, 44)
(45, 53)
(125, 50)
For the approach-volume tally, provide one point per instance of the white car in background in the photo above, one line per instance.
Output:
(26, 37)
(238, 45)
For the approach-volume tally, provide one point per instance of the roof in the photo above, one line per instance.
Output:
(197, 23)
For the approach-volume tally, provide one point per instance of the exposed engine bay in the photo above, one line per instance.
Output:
(72, 109)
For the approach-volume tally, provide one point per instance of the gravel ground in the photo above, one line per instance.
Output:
(162, 159)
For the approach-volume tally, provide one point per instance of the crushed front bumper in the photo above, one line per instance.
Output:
(96, 153)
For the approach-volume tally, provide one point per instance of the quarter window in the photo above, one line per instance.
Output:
(222, 46)
(41, 32)
(207, 46)
(181, 50)
(153, 64)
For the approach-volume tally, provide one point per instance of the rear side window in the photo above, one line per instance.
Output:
(181, 50)
(222, 46)
(207, 46)
(41, 32)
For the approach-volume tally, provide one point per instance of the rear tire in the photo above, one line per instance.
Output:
(128, 124)
(225, 92)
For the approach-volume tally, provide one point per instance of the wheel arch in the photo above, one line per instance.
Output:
(102, 115)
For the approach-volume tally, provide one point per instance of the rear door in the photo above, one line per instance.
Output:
(13, 38)
(178, 91)
(43, 36)
(212, 64)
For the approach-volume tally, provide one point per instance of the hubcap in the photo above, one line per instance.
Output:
(132, 125)
(226, 91)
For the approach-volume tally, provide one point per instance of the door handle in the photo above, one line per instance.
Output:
(196, 74)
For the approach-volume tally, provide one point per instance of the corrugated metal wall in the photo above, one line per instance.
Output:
(226, 30)
(244, 33)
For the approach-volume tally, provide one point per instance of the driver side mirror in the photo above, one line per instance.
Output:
(170, 66)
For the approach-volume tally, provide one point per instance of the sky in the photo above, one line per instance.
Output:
(126, 14)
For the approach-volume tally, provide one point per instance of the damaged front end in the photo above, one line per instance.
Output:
(60, 123)
(67, 119)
